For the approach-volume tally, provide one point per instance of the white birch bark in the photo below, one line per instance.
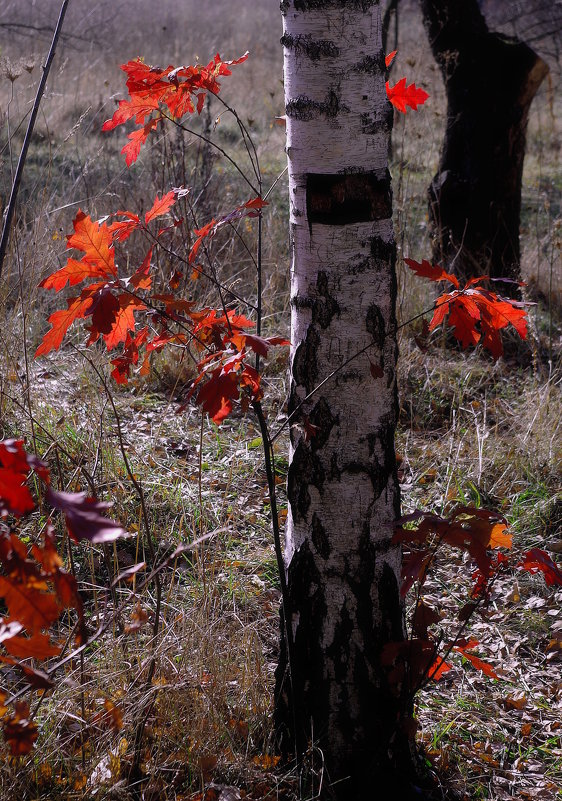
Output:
(343, 574)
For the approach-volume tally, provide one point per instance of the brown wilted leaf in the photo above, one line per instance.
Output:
(19, 731)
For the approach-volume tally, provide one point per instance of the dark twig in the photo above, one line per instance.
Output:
(28, 134)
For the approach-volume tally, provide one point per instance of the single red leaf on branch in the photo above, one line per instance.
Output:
(84, 517)
(537, 560)
(431, 271)
(390, 58)
(160, 206)
(38, 646)
(20, 732)
(30, 605)
(60, 323)
(463, 646)
(401, 96)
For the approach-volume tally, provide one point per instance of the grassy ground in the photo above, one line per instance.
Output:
(470, 431)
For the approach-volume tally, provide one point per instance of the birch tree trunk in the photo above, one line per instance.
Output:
(343, 572)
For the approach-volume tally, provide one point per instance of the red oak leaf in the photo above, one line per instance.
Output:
(160, 206)
(136, 140)
(414, 567)
(38, 646)
(122, 229)
(390, 58)
(96, 241)
(438, 669)
(60, 323)
(124, 320)
(32, 607)
(432, 271)
(83, 517)
(537, 560)
(141, 279)
(402, 96)
(216, 395)
(462, 647)
(15, 497)
(249, 209)
(73, 272)
(19, 731)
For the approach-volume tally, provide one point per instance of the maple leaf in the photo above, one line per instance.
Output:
(402, 96)
(83, 517)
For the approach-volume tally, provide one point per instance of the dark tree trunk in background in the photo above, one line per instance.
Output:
(475, 197)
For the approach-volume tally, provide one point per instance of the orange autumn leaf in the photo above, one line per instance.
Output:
(160, 206)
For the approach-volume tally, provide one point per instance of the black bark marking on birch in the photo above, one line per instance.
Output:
(338, 652)
(302, 302)
(305, 470)
(304, 109)
(315, 49)
(380, 473)
(372, 64)
(334, 473)
(322, 418)
(311, 687)
(305, 366)
(319, 537)
(324, 306)
(383, 252)
(314, 5)
(346, 199)
(373, 125)
(374, 323)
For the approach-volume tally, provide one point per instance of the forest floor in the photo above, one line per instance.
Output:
(472, 431)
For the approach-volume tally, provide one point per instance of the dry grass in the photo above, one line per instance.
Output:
(470, 431)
